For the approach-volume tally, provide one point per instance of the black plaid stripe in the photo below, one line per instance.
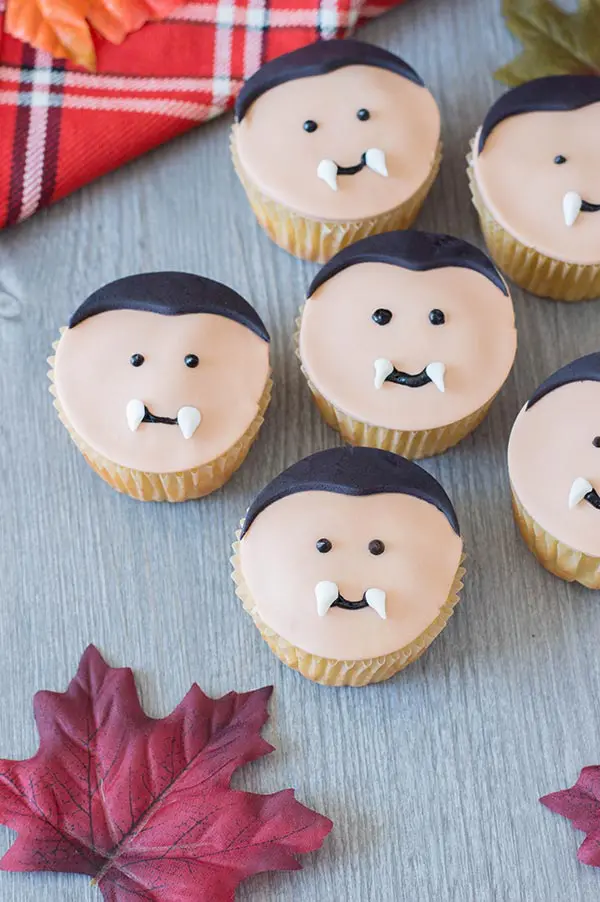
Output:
(22, 125)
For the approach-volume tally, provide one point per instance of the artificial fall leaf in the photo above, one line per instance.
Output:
(554, 42)
(115, 19)
(144, 806)
(581, 805)
(62, 27)
(56, 26)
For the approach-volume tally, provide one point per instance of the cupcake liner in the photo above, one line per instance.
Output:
(414, 445)
(411, 444)
(333, 672)
(319, 240)
(532, 270)
(180, 486)
(557, 557)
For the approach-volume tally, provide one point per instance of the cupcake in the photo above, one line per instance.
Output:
(334, 142)
(349, 563)
(162, 380)
(554, 468)
(405, 340)
(535, 184)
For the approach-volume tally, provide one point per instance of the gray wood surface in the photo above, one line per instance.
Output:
(433, 778)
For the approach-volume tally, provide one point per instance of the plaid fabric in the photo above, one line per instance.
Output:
(61, 127)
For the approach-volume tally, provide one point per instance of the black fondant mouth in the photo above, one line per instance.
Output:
(152, 418)
(593, 498)
(341, 602)
(588, 207)
(411, 380)
(352, 170)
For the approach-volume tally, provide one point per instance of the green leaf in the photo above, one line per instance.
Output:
(554, 42)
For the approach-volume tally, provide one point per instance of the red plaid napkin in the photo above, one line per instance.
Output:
(61, 127)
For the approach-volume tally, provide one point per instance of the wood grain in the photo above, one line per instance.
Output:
(432, 779)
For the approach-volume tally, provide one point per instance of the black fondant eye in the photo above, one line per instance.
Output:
(382, 316)
(191, 360)
(136, 359)
(376, 546)
(323, 545)
(596, 442)
(560, 159)
(363, 114)
(310, 125)
(437, 317)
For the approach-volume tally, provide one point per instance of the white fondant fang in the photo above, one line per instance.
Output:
(571, 207)
(135, 413)
(436, 372)
(375, 160)
(383, 368)
(375, 598)
(188, 420)
(326, 593)
(327, 170)
(579, 490)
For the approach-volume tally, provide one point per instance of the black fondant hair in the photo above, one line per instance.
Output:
(354, 471)
(554, 93)
(318, 59)
(171, 294)
(584, 369)
(412, 250)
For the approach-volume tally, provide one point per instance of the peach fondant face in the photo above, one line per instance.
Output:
(160, 393)
(348, 144)
(350, 577)
(407, 349)
(554, 464)
(539, 174)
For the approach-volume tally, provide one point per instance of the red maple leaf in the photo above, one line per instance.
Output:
(145, 806)
(581, 805)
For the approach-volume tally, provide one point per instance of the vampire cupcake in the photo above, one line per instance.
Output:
(554, 468)
(535, 179)
(349, 563)
(162, 380)
(405, 340)
(334, 142)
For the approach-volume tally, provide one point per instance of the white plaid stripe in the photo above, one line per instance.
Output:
(278, 18)
(180, 109)
(222, 62)
(328, 18)
(353, 14)
(127, 83)
(256, 23)
(36, 136)
(194, 12)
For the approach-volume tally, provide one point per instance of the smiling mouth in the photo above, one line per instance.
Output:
(188, 418)
(583, 490)
(342, 602)
(385, 371)
(328, 596)
(352, 170)
(374, 159)
(151, 418)
(573, 205)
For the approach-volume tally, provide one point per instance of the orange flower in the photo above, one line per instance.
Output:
(62, 27)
